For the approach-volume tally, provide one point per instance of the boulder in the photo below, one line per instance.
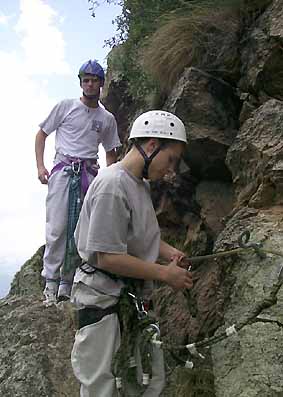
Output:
(36, 341)
(209, 107)
(118, 101)
(255, 157)
(262, 55)
(216, 200)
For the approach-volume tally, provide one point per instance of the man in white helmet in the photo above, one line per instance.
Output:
(118, 237)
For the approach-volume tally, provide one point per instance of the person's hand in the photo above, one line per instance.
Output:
(43, 175)
(177, 254)
(181, 259)
(185, 263)
(177, 277)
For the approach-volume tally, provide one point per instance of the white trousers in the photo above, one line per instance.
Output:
(92, 354)
(56, 226)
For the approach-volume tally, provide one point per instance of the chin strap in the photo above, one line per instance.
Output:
(147, 159)
(91, 96)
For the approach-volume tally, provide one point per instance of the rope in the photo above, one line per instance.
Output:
(249, 318)
(72, 258)
(235, 251)
(134, 327)
(244, 244)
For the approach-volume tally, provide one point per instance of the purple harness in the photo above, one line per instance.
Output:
(78, 166)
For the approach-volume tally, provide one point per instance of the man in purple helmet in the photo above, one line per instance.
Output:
(81, 124)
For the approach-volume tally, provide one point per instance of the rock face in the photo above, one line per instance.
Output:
(255, 157)
(230, 181)
(247, 145)
(36, 341)
(209, 107)
(250, 364)
(117, 89)
(262, 56)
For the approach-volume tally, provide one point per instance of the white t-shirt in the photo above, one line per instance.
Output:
(80, 129)
(117, 217)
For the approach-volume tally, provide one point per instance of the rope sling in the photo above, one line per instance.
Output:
(138, 328)
(72, 258)
(77, 170)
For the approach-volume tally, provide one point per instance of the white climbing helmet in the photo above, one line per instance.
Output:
(158, 124)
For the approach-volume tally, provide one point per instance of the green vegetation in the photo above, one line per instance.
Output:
(138, 21)
(158, 39)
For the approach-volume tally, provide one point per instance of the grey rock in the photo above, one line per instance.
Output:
(255, 157)
(36, 341)
(251, 363)
(210, 108)
(28, 280)
(216, 200)
(262, 56)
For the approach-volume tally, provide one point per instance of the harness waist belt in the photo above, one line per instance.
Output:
(91, 315)
(84, 166)
(96, 269)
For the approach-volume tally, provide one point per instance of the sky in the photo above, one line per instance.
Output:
(42, 45)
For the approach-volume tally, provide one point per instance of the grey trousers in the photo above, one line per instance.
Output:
(92, 355)
(56, 225)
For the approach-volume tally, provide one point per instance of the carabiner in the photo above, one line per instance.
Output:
(76, 167)
(243, 242)
(154, 327)
(142, 313)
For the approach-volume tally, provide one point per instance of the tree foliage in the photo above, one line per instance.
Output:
(137, 22)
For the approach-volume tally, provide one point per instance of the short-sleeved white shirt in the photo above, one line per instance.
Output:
(117, 217)
(80, 129)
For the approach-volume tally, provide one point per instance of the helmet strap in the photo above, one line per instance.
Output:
(147, 159)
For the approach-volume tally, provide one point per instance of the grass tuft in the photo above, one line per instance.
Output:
(203, 34)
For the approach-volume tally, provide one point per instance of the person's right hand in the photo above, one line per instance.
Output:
(43, 175)
(177, 277)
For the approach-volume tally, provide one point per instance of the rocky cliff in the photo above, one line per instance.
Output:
(231, 181)
(35, 341)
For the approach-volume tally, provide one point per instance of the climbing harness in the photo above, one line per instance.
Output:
(91, 315)
(77, 170)
(88, 268)
(86, 166)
